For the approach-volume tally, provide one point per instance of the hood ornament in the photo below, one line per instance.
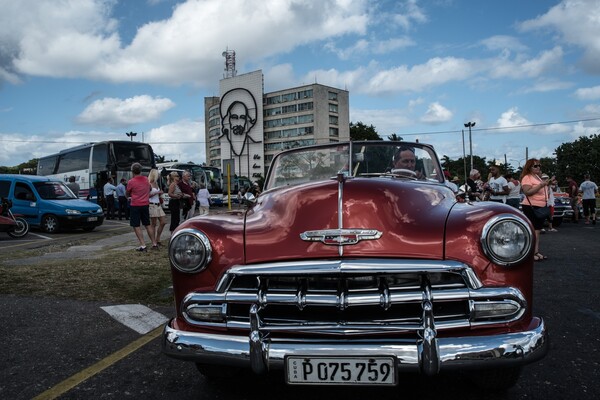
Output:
(340, 237)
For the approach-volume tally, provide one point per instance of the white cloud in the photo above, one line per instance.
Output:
(385, 121)
(434, 72)
(186, 47)
(511, 118)
(436, 114)
(183, 141)
(503, 42)
(576, 21)
(547, 85)
(114, 112)
(411, 13)
(592, 93)
(502, 67)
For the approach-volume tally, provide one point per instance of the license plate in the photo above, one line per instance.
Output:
(90, 219)
(340, 370)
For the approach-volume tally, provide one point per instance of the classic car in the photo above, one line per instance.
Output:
(356, 264)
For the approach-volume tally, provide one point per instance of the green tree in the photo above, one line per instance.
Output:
(457, 167)
(394, 137)
(359, 131)
(578, 158)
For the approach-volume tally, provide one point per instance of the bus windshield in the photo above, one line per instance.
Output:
(127, 153)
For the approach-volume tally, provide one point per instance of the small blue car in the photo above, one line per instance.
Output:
(49, 204)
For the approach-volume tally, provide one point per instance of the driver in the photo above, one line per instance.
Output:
(405, 158)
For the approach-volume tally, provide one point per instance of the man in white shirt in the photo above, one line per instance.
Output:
(497, 185)
(109, 196)
(589, 189)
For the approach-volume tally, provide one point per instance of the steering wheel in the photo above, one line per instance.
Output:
(406, 173)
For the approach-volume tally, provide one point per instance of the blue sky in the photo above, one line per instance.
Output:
(526, 72)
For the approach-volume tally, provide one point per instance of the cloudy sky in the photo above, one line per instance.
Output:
(75, 71)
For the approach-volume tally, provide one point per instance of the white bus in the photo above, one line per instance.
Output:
(93, 163)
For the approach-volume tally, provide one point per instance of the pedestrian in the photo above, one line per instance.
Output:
(535, 204)
(204, 199)
(74, 186)
(497, 186)
(109, 197)
(551, 189)
(573, 191)
(589, 190)
(514, 195)
(189, 198)
(138, 189)
(122, 199)
(158, 218)
(474, 184)
(175, 196)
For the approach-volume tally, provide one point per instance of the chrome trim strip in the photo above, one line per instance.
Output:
(358, 266)
(476, 352)
(341, 207)
(340, 237)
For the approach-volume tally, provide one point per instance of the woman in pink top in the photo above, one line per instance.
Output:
(535, 190)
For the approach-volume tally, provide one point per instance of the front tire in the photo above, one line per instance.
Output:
(21, 230)
(50, 224)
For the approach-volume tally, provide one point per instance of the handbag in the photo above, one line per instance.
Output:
(541, 213)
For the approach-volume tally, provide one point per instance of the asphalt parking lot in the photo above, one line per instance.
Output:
(67, 349)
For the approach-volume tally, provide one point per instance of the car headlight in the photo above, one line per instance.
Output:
(72, 212)
(190, 250)
(506, 239)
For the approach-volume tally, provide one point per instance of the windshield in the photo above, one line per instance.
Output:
(400, 160)
(126, 153)
(54, 190)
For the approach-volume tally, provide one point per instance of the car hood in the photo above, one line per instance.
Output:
(410, 215)
(76, 204)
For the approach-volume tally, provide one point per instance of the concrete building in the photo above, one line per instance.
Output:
(248, 126)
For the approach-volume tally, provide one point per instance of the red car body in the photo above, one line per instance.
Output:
(352, 277)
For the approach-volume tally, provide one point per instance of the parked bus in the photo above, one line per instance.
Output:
(93, 163)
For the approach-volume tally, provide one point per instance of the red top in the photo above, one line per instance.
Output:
(138, 188)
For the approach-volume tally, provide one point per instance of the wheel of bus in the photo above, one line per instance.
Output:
(50, 224)
(21, 229)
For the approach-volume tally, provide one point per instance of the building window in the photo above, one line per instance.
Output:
(333, 96)
(333, 120)
(333, 108)
(334, 132)
(288, 97)
(306, 119)
(288, 109)
(305, 94)
(272, 111)
(274, 100)
(305, 106)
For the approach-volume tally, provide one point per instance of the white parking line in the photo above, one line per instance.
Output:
(40, 236)
(136, 316)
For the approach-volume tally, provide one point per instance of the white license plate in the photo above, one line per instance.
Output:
(90, 219)
(341, 370)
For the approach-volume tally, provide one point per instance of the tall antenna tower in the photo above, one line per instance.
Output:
(230, 70)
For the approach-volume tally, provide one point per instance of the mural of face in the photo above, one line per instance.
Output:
(238, 112)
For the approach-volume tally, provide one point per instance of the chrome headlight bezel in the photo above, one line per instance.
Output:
(493, 239)
(190, 251)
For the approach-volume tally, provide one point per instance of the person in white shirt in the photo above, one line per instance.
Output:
(589, 190)
(497, 185)
(514, 195)
(109, 197)
(203, 198)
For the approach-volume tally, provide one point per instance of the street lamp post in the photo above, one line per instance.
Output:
(131, 135)
(470, 125)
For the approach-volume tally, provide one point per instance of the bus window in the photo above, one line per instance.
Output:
(47, 165)
(73, 161)
(100, 157)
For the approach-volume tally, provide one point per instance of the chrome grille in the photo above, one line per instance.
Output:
(354, 297)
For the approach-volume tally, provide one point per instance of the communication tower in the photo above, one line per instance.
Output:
(230, 70)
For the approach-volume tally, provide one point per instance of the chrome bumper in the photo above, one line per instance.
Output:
(262, 354)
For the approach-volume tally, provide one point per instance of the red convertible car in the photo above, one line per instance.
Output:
(356, 264)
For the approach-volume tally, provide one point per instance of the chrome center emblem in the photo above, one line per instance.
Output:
(340, 237)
